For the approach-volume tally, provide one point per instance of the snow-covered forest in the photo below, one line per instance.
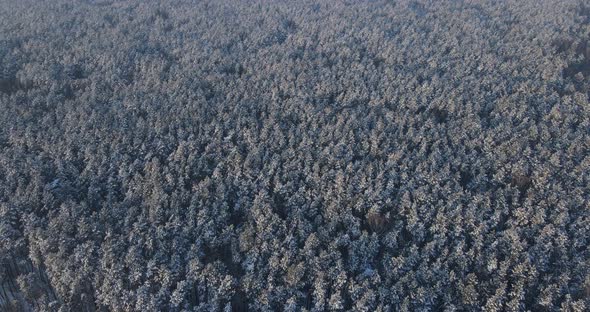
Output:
(270, 155)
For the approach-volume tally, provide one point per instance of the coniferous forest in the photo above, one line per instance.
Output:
(274, 155)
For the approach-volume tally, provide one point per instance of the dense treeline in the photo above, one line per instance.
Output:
(294, 155)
